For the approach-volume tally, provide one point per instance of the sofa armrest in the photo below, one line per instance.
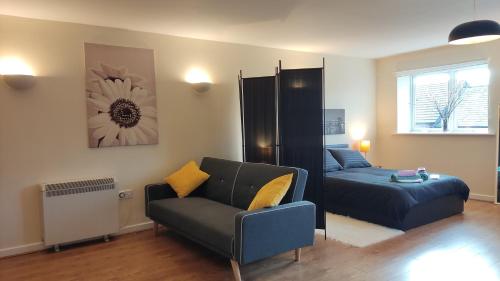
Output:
(157, 191)
(267, 232)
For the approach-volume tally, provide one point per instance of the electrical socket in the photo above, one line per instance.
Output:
(126, 194)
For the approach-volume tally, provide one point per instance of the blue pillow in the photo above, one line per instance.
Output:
(331, 165)
(350, 158)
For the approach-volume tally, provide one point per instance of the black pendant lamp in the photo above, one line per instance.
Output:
(477, 31)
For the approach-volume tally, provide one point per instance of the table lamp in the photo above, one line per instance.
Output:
(364, 146)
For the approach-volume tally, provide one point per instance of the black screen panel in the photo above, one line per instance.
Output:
(259, 118)
(301, 129)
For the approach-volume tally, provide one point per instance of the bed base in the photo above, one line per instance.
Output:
(418, 215)
(432, 211)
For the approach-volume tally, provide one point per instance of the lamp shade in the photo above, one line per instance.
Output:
(364, 146)
(472, 32)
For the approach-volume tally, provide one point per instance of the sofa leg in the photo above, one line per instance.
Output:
(155, 228)
(236, 270)
(297, 254)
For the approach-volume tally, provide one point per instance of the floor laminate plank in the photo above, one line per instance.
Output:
(460, 247)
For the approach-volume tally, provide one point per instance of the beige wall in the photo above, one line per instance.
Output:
(471, 158)
(43, 131)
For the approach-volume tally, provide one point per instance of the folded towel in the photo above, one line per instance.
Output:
(434, 176)
(410, 181)
(407, 173)
(421, 169)
(406, 179)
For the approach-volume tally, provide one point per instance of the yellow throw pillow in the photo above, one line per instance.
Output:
(271, 193)
(186, 179)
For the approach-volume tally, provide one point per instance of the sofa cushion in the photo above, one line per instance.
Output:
(186, 179)
(271, 194)
(205, 221)
(253, 176)
(219, 186)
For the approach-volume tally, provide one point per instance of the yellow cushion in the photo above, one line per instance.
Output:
(271, 193)
(186, 179)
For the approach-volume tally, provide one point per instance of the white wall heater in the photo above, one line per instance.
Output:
(79, 210)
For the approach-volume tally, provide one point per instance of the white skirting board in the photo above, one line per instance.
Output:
(482, 197)
(136, 227)
(39, 246)
(22, 249)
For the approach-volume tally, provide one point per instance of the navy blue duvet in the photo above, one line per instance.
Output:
(368, 194)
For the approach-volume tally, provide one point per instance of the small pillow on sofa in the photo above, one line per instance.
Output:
(350, 158)
(271, 194)
(331, 165)
(186, 179)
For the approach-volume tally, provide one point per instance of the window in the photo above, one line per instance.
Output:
(455, 97)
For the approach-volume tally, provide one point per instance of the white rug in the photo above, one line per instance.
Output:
(356, 232)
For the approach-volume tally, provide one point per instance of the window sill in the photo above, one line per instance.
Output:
(445, 134)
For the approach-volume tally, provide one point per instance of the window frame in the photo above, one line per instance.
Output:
(451, 70)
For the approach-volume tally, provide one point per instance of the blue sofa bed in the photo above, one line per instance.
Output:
(215, 215)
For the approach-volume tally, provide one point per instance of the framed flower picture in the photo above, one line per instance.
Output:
(121, 96)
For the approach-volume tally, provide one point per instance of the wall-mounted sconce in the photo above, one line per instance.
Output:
(17, 74)
(199, 80)
(201, 87)
(19, 81)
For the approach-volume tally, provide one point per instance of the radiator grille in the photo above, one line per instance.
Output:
(81, 186)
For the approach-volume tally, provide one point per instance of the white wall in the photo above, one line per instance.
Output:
(472, 158)
(351, 85)
(43, 131)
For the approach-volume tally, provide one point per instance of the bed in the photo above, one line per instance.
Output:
(368, 194)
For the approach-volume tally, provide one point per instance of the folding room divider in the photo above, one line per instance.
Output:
(258, 113)
(301, 137)
(282, 121)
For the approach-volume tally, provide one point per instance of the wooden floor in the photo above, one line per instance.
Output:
(464, 247)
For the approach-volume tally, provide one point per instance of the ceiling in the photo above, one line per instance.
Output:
(360, 28)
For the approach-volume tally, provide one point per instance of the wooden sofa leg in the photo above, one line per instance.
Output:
(155, 228)
(236, 270)
(297, 254)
